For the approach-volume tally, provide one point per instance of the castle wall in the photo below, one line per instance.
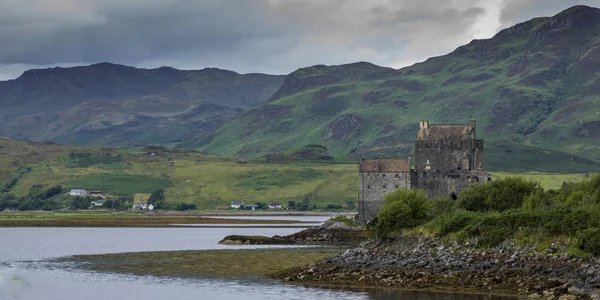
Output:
(448, 158)
(374, 186)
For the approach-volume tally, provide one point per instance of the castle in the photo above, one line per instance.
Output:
(448, 157)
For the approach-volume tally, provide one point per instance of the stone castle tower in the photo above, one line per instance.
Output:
(448, 157)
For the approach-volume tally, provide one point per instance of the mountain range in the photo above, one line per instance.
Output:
(109, 104)
(533, 88)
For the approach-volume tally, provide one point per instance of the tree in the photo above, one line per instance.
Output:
(78, 202)
(261, 205)
(157, 198)
(291, 204)
(351, 203)
(499, 195)
(401, 209)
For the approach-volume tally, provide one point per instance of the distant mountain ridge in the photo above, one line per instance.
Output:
(534, 84)
(113, 104)
(533, 89)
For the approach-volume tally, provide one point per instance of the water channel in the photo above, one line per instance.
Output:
(25, 272)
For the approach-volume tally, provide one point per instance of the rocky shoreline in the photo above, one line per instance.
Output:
(329, 232)
(427, 263)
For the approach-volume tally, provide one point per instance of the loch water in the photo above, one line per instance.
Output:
(27, 272)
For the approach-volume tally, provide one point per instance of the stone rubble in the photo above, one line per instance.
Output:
(431, 263)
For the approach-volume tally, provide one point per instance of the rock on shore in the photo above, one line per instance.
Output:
(329, 232)
(430, 263)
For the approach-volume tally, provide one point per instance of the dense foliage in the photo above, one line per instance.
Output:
(87, 159)
(503, 194)
(401, 209)
(501, 210)
(157, 198)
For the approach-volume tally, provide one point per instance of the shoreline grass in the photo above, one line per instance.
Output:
(207, 263)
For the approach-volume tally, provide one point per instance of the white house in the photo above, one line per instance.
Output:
(97, 203)
(140, 206)
(78, 192)
(275, 205)
(237, 204)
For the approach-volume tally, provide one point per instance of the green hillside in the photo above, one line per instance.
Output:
(108, 104)
(307, 175)
(534, 84)
(188, 176)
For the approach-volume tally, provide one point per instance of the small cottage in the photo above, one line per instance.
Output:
(140, 206)
(96, 193)
(78, 192)
(252, 207)
(275, 205)
(237, 204)
(97, 203)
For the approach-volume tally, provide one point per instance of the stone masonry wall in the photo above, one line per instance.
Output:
(373, 187)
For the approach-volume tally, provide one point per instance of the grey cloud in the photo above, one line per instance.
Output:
(517, 11)
(272, 36)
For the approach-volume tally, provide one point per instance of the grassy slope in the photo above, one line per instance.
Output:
(188, 176)
(196, 177)
(534, 84)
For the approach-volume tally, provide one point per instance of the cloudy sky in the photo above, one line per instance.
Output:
(268, 36)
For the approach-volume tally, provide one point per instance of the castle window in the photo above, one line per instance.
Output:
(383, 176)
(476, 179)
(368, 175)
(384, 186)
(368, 187)
(396, 186)
(396, 175)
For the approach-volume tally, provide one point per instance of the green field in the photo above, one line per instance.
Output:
(547, 180)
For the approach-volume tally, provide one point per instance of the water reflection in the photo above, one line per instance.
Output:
(421, 295)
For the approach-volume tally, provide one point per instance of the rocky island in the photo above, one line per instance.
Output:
(330, 232)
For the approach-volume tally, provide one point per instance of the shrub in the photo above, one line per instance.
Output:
(538, 200)
(504, 194)
(185, 206)
(442, 206)
(401, 209)
(459, 221)
(333, 206)
(343, 219)
(589, 240)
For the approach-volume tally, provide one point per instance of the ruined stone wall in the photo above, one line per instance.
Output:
(374, 186)
(442, 183)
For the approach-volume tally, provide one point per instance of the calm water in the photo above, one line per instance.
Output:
(23, 252)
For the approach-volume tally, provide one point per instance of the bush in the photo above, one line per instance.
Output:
(333, 206)
(442, 206)
(185, 206)
(343, 219)
(401, 209)
(459, 221)
(503, 194)
(589, 240)
(539, 199)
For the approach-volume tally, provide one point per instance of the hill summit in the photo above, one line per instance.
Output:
(533, 84)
